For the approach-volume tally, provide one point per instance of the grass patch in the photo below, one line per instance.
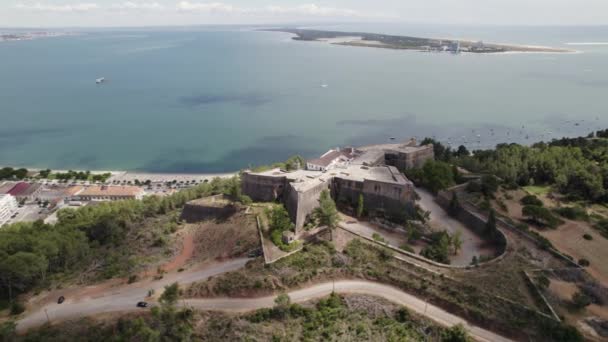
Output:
(537, 190)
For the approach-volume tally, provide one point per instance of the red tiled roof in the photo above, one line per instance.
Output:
(18, 189)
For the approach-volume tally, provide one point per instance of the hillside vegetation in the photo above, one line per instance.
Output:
(97, 238)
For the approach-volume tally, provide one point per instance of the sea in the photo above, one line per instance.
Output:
(218, 99)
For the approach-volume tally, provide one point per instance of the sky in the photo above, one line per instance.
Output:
(112, 13)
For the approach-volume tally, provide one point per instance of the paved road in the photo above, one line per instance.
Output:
(126, 298)
(120, 299)
(349, 286)
(472, 244)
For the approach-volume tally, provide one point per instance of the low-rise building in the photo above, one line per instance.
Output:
(30, 193)
(19, 189)
(108, 193)
(8, 206)
(5, 187)
(331, 159)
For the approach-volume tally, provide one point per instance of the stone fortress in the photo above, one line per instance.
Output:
(371, 171)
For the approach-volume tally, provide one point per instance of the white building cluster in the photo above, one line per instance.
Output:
(8, 206)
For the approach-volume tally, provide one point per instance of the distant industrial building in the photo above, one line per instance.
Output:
(371, 171)
(8, 206)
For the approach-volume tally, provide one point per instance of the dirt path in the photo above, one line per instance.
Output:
(186, 253)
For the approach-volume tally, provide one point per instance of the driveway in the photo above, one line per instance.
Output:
(472, 244)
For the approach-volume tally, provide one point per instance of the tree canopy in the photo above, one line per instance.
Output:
(31, 251)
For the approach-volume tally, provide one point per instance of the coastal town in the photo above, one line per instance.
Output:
(39, 193)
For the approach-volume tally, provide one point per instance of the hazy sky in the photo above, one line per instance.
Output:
(40, 13)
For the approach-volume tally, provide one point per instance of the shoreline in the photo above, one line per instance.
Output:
(383, 41)
(120, 175)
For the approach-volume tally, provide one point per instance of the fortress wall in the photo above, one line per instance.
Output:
(197, 210)
(307, 202)
(262, 188)
(377, 196)
(291, 201)
(419, 158)
(472, 221)
(404, 161)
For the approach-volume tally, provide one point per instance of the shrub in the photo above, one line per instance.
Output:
(541, 215)
(587, 237)
(584, 262)
(531, 200)
(580, 300)
(17, 308)
(378, 238)
(457, 333)
(573, 213)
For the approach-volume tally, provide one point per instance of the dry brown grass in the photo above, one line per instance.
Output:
(232, 237)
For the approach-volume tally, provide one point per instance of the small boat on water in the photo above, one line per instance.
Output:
(100, 80)
(324, 85)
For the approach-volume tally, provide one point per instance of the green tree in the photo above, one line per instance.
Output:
(581, 300)
(456, 333)
(137, 330)
(439, 248)
(360, 206)
(280, 220)
(437, 175)
(541, 216)
(454, 206)
(491, 229)
(456, 242)
(327, 213)
(294, 163)
(8, 331)
(21, 270)
(282, 304)
(170, 295)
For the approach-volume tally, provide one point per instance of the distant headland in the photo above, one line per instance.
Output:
(18, 36)
(385, 41)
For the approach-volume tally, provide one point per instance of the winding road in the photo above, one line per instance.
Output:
(124, 299)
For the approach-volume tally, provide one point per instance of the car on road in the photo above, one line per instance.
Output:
(60, 300)
(142, 304)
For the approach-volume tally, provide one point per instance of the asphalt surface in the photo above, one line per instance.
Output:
(354, 287)
(126, 298)
(472, 244)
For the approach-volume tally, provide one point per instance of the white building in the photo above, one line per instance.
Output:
(8, 206)
(331, 159)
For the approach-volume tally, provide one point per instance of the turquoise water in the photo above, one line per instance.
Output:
(201, 100)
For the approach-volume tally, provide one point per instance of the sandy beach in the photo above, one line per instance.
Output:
(131, 176)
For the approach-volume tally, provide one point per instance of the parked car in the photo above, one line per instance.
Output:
(142, 304)
(60, 300)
